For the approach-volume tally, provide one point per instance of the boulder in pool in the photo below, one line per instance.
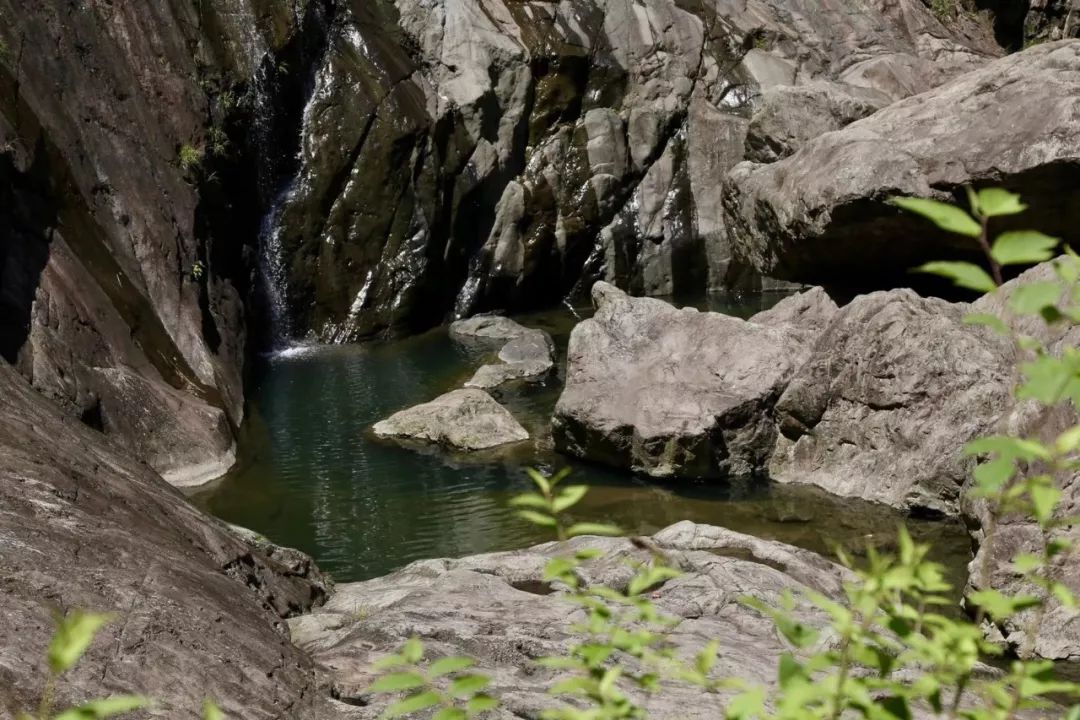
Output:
(486, 331)
(498, 609)
(529, 357)
(466, 419)
(680, 393)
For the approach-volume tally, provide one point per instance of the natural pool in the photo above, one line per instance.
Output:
(311, 475)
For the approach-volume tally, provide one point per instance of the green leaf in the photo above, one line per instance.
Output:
(569, 496)
(530, 500)
(593, 529)
(991, 321)
(992, 476)
(389, 662)
(481, 703)
(963, 274)
(1044, 500)
(707, 657)
(450, 713)
(1023, 247)
(411, 704)
(538, 518)
(397, 682)
(413, 650)
(1026, 562)
(210, 711)
(749, 704)
(1030, 298)
(947, 217)
(105, 708)
(468, 685)
(73, 636)
(999, 606)
(994, 202)
(447, 665)
(541, 481)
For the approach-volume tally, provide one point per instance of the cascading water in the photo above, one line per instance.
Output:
(282, 90)
(273, 273)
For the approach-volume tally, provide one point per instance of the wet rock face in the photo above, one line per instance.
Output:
(198, 611)
(821, 215)
(460, 156)
(498, 610)
(100, 226)
(681, 393)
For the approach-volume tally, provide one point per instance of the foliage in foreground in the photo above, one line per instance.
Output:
(891, 649)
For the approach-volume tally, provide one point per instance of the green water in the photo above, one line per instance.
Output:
(311, 475)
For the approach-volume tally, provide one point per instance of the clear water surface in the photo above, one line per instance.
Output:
(312, 476)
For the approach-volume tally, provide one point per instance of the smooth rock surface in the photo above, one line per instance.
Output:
(821, 215)
(466, 419)
(497, 609)
(680, 393)
(198, 611)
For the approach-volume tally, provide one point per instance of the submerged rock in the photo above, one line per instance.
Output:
(198, 611)
(498, 609)
(821, 215)
(680, 393)
(529, 357)
(486, 331)
(467, 419)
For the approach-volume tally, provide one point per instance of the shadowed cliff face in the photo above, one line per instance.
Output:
(102, 226)
(466, 155)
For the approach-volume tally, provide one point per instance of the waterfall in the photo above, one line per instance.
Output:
(274, 272)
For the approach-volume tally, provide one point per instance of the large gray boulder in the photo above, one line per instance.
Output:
(466, 419)
(497, 609)
(198, 611)
(680, 393)
(885, 402)
(821, 215)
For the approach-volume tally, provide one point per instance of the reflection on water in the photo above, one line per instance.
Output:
(313, 477)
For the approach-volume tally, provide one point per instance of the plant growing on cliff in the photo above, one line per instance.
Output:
(891, 648)
(189, 158)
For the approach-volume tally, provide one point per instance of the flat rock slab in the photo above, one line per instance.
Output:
(497, 609)
(467, 419)
(677, 392)
(487, 330)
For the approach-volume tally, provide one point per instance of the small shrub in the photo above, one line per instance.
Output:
(190, 158)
